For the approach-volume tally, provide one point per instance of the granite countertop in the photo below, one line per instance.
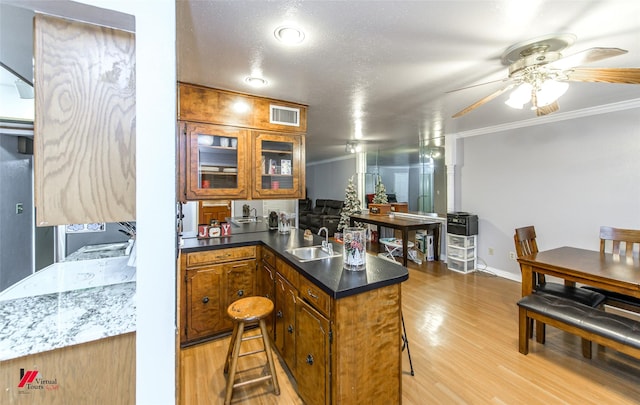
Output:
(66, 304)
(327, 274)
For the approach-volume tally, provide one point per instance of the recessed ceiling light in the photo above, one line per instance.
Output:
(289, 34)
(256, 81)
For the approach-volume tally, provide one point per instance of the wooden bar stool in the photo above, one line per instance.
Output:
(243, 312)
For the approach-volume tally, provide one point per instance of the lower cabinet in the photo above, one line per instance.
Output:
(340, 351)
(266, 281)
(212, 280)
(312, 355)
(285, 328)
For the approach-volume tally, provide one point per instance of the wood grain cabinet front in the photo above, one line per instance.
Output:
(225, 154)
(312, 355)
(212, 281)
(213, 161)
(285, 321)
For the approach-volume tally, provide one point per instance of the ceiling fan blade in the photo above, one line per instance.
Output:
(587, 56)
(547, 109)
(605, 75)
(483, 100)
(478, 85)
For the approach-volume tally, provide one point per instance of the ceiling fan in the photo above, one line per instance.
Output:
(540, 74)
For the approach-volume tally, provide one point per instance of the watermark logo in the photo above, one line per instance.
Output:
(33, 380)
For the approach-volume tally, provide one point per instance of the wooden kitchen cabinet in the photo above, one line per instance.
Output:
(225, 153)
(213, 162)
(278, 165)
(212, 281)
(312, 355)
(285, 322)
(204, 302)
(204, 104)
(267, 282)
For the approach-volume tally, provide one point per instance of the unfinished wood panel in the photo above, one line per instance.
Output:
(84, 155)
(366, 347)
(98, 372)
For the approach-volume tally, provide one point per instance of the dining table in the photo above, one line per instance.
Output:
(404, 225)
(575, 265)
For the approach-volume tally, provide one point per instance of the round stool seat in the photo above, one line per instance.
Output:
(250, 309)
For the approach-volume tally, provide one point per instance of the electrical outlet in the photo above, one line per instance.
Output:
(512, 255)
(490, 251)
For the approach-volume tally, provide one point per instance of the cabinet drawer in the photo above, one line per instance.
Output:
(461, 241)
(314, 295)
(220, 255)
(455, 252)
(269, 257)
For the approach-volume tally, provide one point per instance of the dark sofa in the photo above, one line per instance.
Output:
(325, 213)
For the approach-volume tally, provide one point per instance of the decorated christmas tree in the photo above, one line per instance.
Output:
(351, 204)
(381, 193)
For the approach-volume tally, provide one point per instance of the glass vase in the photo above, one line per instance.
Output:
(354, 251)
(284, 222)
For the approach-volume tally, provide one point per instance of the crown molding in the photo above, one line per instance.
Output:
(569, 115)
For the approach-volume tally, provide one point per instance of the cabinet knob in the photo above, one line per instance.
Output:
(240, 293)
(311, 294)
(290, 329)
(309, 360)
(279, 314)
(205, 300)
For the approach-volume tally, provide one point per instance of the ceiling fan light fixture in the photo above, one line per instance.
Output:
(550, 91)
(520, 96)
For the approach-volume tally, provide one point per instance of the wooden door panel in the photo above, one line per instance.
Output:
(205, 312)
(312, 355)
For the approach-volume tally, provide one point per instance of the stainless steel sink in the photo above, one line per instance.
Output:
(310, 253)
(245, 220)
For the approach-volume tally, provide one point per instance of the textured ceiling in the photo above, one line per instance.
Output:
(392, 63)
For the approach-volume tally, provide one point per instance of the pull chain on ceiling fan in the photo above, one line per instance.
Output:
(540, 74)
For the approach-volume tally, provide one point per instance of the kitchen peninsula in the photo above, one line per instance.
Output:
(338, 331)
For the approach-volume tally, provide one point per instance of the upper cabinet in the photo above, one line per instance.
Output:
(237, 146)
(216, 158)
(204, 104)
(278, 169)
(84, 126)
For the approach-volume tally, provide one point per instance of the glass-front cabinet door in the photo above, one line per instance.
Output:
(278, 171)
(216, 160)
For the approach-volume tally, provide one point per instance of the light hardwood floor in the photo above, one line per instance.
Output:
(463, 338)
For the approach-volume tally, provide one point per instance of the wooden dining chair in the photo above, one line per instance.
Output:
(626, 243)
(525, 241)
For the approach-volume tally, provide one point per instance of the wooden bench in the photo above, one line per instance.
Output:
(592, 324)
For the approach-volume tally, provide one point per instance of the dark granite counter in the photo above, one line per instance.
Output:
(327, 274)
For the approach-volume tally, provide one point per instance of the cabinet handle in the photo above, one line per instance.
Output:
(205, 300)
(309, 360)
(290, 329)
(279, 314)
(240, 293)
(312, 295)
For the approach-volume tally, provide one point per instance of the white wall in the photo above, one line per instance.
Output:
(566, 178)
(156, 330)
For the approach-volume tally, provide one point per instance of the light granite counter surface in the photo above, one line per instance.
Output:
(91, 300)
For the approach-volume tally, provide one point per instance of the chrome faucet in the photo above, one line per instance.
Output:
(255, 212)
(326, 245)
